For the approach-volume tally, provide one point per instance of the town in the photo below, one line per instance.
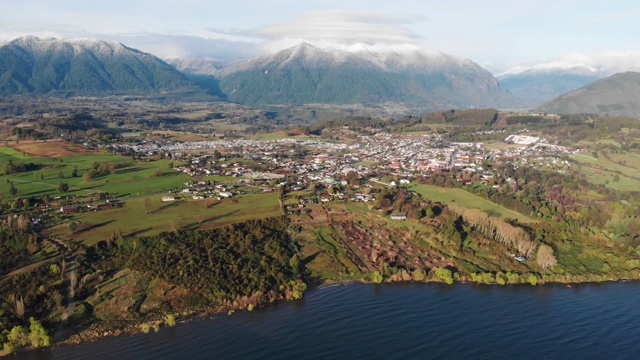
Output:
(383, 158)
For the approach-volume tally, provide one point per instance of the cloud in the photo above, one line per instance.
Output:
(10, 35)
(337, 28)
(186, 46)
(605, 63)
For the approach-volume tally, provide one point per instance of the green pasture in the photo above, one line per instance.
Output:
(628, 159)
(601, 170)
(418, 130)
(278, 135)
(468, 200)
(590, 143)
(132, 178)
(366, 163)
(182, 214)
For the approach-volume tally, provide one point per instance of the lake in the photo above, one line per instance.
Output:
(401, 321)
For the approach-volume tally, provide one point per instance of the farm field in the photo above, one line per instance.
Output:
(131, 177)
(50, 148)
(603, 171)
(132, 219)
(465, 199)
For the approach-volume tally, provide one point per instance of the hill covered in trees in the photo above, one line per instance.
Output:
(305, 74)
(615, 95)
(122, 284)
(31, 65)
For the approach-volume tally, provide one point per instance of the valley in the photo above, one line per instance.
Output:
(115, 212)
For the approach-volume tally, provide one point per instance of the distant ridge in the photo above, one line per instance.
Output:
(306, 74)
(537, 86)
(616, 95)
(30, 65)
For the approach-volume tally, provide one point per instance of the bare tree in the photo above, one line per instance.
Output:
(147, 204)
(72, 226)
(83, 282)
(19, 305)
(525, 246)
(73, 281)
(63, 268)
(23, 222)
(545, 257)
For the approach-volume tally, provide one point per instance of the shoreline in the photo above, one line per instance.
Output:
(91, 334)
(183, 318)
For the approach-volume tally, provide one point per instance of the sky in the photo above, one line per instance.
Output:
(497, 34)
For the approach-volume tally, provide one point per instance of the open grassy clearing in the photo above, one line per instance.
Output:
(591, 143)
(291, 198)
(366, 163)
(132, 220)
(280, 135)
(466, 199)
(418, 130)
(608, 178)
(630, 169)
(179, 135)
(603, 171)
(131, 178)
(49, 148)
(627, 159)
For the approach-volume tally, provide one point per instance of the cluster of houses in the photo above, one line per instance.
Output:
(276, 161)
(201, 189)
(300, 163)
(70, 209)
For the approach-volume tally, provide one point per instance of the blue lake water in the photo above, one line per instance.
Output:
(401, 321)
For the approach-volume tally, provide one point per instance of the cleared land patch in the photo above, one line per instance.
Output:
(468, 200)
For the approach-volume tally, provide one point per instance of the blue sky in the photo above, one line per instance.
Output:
(497, 34)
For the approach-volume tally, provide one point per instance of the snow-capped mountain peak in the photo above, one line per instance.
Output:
(308, 73)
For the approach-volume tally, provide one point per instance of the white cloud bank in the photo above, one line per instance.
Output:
(602, 64)
(336, 29)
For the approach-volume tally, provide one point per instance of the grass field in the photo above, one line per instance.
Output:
(133, 177)
(50, 148)
(366, 163)
(499, 145)
(627, 159)
(591, 143)
(132, 219)
(419, 132)
(468, 200)
(603, 171)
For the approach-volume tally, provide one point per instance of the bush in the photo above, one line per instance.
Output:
(170, 320)
(376, 277)
(445, 275)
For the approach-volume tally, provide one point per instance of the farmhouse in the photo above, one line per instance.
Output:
(101, 206)
(69, 209)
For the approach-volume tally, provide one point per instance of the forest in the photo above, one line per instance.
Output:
(241, 266)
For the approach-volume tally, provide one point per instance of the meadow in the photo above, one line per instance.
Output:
(132, 219)
(138, 184)
(466, 199)
(132, 177)
(619, 171)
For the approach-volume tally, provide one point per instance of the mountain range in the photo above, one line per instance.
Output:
(539, 84)
(616, 95)
(307, 74)
(31, 65)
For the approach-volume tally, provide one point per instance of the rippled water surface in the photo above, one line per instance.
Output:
(406, 321)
